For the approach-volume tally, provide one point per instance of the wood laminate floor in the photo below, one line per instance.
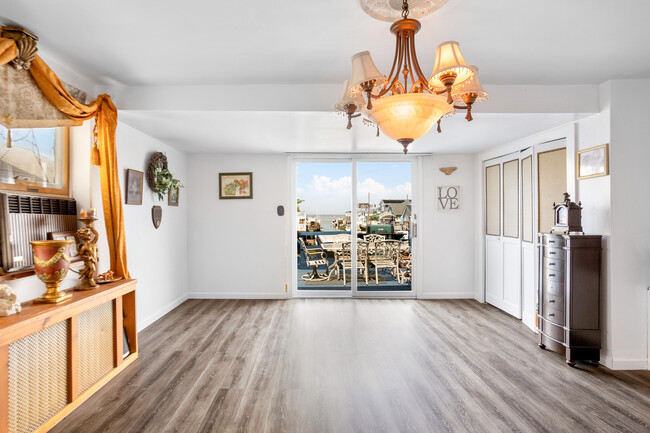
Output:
(334, 365)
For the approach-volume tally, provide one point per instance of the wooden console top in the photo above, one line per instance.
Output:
(34, 317)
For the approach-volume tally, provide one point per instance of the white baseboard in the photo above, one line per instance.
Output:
(447, 295)
(236, 295)
(142, 324)
(626, 364)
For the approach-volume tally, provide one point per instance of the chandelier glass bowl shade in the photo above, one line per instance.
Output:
(406, 104)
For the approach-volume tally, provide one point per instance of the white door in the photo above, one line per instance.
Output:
(528, 276)
(502, 236)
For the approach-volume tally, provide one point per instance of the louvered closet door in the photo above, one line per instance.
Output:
(503, 230)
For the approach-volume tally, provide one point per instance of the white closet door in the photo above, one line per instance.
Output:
(503, 244)
(528, 277)
(493, 246)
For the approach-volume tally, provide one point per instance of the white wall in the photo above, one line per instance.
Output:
(237, 248)
(448, 236)
(157, 258)
(595, 196)
(630, 230)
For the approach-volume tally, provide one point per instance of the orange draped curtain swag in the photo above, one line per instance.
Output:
(105, 114)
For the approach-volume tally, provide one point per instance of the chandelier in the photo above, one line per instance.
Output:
(406, 105)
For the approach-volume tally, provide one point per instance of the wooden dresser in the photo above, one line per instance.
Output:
(569, 295)
(53, 357)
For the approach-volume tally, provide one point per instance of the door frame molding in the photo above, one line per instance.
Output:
(291, 250)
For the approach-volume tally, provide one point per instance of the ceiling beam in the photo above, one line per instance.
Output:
(321, 97)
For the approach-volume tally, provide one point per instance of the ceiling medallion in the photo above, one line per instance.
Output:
(391, 10)
(406, 110)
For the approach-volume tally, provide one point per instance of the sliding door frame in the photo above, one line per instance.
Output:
(291, 247)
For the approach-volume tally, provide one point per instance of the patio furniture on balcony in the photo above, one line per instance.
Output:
(315, 257)
(344, 257)
(386, 256)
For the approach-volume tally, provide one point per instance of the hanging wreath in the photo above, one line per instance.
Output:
(158, 161)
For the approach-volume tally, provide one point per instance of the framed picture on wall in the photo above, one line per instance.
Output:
(593, 162)
(67, 235)
(172, 196)
(133, 186)
(235, 185)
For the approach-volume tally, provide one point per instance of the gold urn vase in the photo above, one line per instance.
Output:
(51, 264)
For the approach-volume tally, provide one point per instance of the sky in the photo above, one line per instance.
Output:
(327, 187)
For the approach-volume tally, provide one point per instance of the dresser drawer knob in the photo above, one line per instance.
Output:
(551, 314)
(551, 264)
(551, 242)
(552, 253)
(551, 301)
(551, 275)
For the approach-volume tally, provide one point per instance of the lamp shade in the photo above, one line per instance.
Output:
(471, 85)
(449, 59)
(364, 69)
(348, 97)
(408, 116)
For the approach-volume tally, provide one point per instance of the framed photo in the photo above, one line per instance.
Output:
(235, 185)
(593, 162)
(134, 186)
(38, 160)
(67, 235)
(172, 196)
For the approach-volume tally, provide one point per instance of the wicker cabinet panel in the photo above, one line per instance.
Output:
(38, 378)
(95, 344)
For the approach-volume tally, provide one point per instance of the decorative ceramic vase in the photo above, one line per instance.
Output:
(51, 264)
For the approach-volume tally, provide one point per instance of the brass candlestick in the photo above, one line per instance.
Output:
(87, 247)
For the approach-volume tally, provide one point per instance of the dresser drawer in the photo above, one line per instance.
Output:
(554, 316)
(554, 264)
(554, 331)
(553, 287)
(554, 275)
(554, 253)
(553, 241)
(555, 302)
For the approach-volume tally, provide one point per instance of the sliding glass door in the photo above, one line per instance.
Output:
(354, 225)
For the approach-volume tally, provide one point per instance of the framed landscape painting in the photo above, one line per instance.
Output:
(593, 162)
(235, 185)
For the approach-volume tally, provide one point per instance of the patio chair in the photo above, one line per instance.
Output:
(386, 256)
(405, 265)
(345, 258)
(315, 257)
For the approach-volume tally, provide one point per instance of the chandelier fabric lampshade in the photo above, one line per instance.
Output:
(449, 60)
(409, 116)
(364, 70)
(470, 86)
(349, 98)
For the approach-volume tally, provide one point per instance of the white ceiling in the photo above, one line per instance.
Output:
(277, 132)
(148, 46)
(148, 42)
